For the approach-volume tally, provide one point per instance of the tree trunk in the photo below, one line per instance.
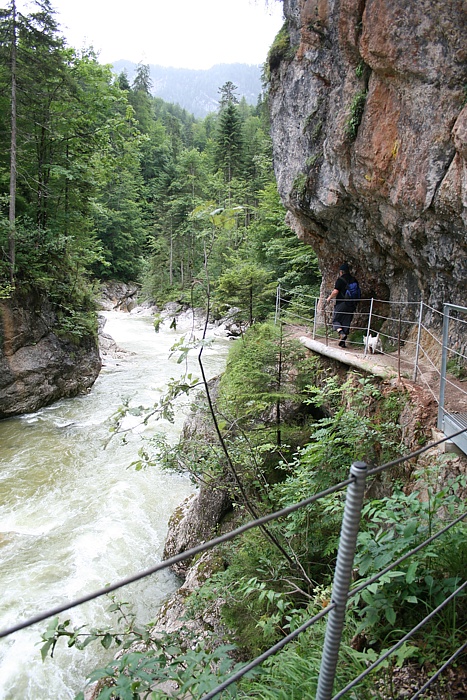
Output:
(171, 256)
(13, 165)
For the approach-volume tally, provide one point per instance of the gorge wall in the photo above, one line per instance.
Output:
(36, 365)
(369, 125)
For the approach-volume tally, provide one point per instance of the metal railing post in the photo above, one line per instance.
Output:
(314, 319)
(444, 361)
(419, 335)
(342, 578)
(368, 328)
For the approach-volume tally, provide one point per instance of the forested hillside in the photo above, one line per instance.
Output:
(101, 180)
(197, 90)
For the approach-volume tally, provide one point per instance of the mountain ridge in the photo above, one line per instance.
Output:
(197, 90)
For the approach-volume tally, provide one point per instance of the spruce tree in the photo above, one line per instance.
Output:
(229, 136)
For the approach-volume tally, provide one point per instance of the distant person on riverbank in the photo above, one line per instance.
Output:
(346, 292)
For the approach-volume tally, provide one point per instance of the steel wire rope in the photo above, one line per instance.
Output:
(256, 662)
(406, 341)
(432, 308)
(393, 303)
(425, 448)
(295, 314)
(432, 335)
(439, 671)
(214, 542)
(210, 544)
(269, 652)
(416, 549)
(428, 387)
(293, 326)
(226, 537)
(295, 311)
(457, 352)
(426, 381)
(293, 562)
(428, 359)
(396, 320)
(304, 318)
(296, 301)
(239, 674)
(396, 646)
(459, 388)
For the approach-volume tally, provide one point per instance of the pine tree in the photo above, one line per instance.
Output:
(229, 136)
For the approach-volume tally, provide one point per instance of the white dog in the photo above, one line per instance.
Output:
(372, 343)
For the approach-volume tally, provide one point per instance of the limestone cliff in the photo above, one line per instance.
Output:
(36, 365)
(369, 125)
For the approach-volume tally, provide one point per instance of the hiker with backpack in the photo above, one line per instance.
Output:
(346, 292)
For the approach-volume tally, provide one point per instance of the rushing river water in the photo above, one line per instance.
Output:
(74, 516)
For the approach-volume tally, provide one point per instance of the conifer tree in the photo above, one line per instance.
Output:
(28, 47)
(229, 136)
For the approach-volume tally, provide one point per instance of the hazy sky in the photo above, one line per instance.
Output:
(179, 33)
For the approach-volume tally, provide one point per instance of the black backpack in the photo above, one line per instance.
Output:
(353, 290)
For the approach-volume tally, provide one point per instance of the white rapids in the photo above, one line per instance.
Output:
(74, 516)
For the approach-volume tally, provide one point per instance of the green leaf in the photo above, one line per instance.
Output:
(106, 641)
(390, 614)
(410, 576)
(45, 648)
(410, 529)
(403, 653)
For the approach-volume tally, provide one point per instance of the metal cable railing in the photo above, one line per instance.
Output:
(187, 554)
(341, 588)
(402, 641)
(341, 593)
(331, 649)
(420, 349)
(241, 673)
(436, 675)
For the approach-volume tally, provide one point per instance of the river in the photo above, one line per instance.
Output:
(74, 516)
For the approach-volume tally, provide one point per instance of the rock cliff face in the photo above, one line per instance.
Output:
(369, 125)
(36, 366)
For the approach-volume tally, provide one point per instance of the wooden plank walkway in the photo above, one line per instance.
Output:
(454, 418)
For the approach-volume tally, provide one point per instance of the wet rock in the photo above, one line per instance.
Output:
(37, 366)
(118, 296)
(195, 521)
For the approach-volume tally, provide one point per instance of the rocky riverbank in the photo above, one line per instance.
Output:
(38, 363)
(119, 296)
(41, 363)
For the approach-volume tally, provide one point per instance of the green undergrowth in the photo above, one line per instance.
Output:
(53, 268)
(291, 429)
